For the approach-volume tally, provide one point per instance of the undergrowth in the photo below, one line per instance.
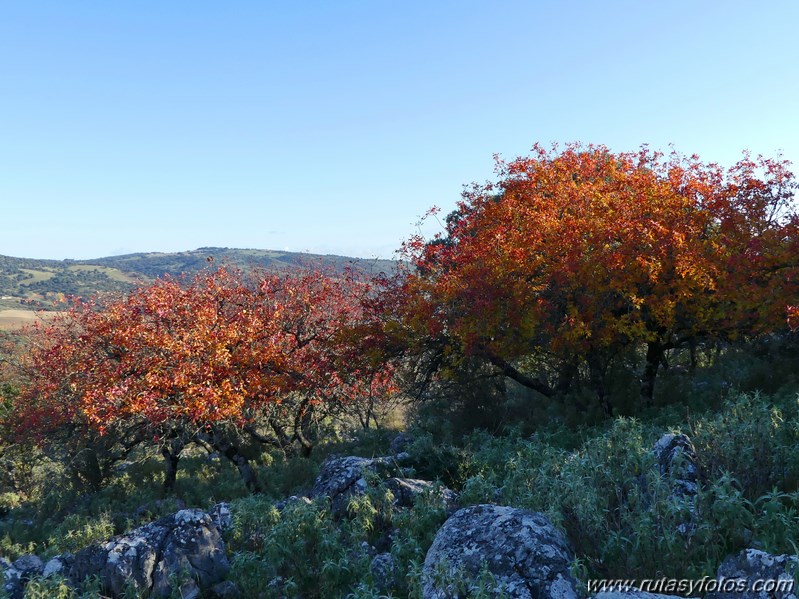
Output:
(597, 481)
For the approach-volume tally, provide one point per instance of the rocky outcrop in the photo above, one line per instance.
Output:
(755, 574)
(384, 572)
(222, 517)
(186, 545)
(678, 464)
(677, 461)
(343, 478)
(225, 590)
(527, 557)
(17, 574)
(59, 565)
(401, 443)
(407, 490)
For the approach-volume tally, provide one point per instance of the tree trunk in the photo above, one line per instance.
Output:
(654, 356)
(86, 470)
(302, 422)
(232, 453)
(567, 373)
(509, 371)
(171, 453)
(597, 376)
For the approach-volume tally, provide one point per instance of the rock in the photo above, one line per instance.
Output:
(16, 575)
(29, 566)
(343, 478)
(676, 459)
(406, 490)
(187, 543)
(400, 443)
(677, 462)
(189, 590)
(58, 565)
(222, 517)
(13, 586)
(755, 574)
(225, 590)
(527, 556)
(384, 572)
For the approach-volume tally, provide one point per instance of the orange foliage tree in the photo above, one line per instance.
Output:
(202, 362)
(577, 255)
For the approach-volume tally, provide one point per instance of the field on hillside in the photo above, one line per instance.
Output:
(42, 284)
(13, 319)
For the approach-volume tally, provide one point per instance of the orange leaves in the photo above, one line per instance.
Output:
(220, 347)
(793, 318)
(588, 249)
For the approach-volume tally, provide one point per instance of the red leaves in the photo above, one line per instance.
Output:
(587, 249)
(222, 347)
(793, 318)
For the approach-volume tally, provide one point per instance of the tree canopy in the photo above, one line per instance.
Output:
(180, 362)
(581, 253)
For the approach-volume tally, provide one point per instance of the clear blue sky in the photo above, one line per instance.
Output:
(331, 126)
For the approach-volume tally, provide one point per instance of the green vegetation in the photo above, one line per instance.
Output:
(598, 482)
(37, 284)
(572, 314)
(154, 265)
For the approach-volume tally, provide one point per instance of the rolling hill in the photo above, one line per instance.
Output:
(28, 284)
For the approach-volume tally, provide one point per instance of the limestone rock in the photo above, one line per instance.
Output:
(15, 576)
(58, 565)
(677, 460)
(343, 478)
(384, 572)
(187, 543)
(225, 590)
(29, 565)
(755, 574)
(222, 517)
(406, 491)
(525, 554)
(401, 442)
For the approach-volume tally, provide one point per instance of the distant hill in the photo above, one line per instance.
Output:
(30, 283)
(154, 265)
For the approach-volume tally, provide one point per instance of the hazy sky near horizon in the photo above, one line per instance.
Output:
(331, 127)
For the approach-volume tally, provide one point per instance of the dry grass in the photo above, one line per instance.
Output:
(15, 319)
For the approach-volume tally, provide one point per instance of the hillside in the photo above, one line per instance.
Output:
(155, 264)
(38, 283)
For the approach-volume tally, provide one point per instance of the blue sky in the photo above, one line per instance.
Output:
(331, 127)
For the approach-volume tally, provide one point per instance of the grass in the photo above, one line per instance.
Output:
(14, 318)
(598, 483)
(36, 275)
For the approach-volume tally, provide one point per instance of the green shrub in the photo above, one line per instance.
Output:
(755, 439)
(76, 532)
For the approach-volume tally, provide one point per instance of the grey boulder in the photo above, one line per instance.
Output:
(755, 574)
(677, 461)
(525, 555)
(187, 543)
(343, 478)
(17, 575)
(407, 490)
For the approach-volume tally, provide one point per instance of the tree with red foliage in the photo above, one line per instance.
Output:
(180, 363)
(580, 254)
